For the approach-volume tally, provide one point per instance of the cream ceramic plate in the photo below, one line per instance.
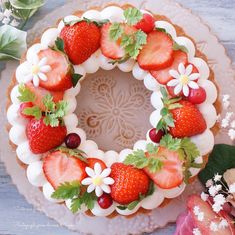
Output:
(218, 61)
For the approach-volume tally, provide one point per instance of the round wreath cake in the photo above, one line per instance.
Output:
(55, 152)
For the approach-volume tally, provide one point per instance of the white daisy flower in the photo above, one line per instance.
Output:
(98, 180)
(183, 79)
(217, 177)
(232, 188)
(35, 70)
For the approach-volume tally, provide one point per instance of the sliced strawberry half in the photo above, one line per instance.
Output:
(59, 78)
(59, 168)
(40, 93)
(171, 174)
(163, 76)
(112, 49)
(194, 201)
(157, 53)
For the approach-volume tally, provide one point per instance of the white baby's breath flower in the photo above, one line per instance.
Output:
(183, 79)
(231, 134)
(217, 207)
(98, 180)
(223, 224)
(217, 177)
(232, 124)
(213, 190)
(196, 231)
(209, 183)
(198, 213)
(232, 188)
(204, 196)
(220, 199)
(213, 227)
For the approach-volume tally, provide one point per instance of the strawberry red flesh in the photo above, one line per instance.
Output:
(157, 53)
(146, 24)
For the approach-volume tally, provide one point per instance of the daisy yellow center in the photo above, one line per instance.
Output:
(184, 79)
(97, 181)
(35, 69)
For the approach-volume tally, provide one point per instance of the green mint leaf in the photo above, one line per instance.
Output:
(51, 121)
(75, 78)
(25, 94)
(137, 159)
(115, 31)
(151, 148)
(59, 44)
(67, 190)
(177, 47)
(170, 143)
(132, 15)
(76, 204)
(12, 43)
(34, 111)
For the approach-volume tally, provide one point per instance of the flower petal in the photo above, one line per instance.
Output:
(90, 172)
(181, 69)
(106, 172)
(178, 89)
(35, 60)
(174, 73)
(42, 62)
(173, 82)
(97, 169)
(91, 188)
(45, 69)
(188, 70)
(194, 76)
(87, 181)
(108, 180)
(186, 90)
(28, 78)
(105, 188)
(42, 76)
(98, 191)
(193, 85)
(35, 80)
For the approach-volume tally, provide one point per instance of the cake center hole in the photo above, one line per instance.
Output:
(113, 109)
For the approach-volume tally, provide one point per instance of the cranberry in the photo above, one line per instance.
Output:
(197, 96)
(146, 24)
(72, 140)
(155, 135)
(23, 106)
(105, 201)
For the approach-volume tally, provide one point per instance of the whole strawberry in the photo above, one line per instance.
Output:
(81, 40)
(42, 137)
(188, 120)
(129, 184)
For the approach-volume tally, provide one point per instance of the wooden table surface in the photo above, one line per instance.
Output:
(16, 215)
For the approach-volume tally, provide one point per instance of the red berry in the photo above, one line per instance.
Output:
(146, 24)
(72, 140)
(197, 96)
(23, 106)
(155, 135)
(105, 201)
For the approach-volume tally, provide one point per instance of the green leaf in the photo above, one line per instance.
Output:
(25, 94)
(170, 143)
(99, 23)
(163, 92)
(61, 109)
(75, 78)
(49, 103)
(151, 148)
(189, 148)
(89, 200)
(164, 111)
(33, 111)
(132, 205)
(115, 31)
(59, 43)
(132, 15)
(67, 190)
(154, 165)
(221, 159)
(161, 30)
(137, 159)
(76, 204)
(151, 189)
(177, 47)
(27, 4)
(12, 42)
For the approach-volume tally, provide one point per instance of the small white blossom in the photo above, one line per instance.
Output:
(220, 199)
(226, 97)
(231, 134)
(213, 227)
(198, 213)
(217, 177)
(183, 79)
(196, 231)
(204, 196)
(217, 207)
(226, 101)
(224, 123)
(98, 180)
(209, 183)
(213, 190)
(232, 188)
(223, 224)
(14, 23)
